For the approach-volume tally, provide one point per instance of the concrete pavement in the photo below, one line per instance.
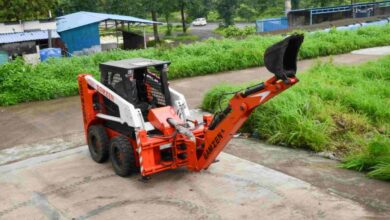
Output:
(69, 185)
(376, 51)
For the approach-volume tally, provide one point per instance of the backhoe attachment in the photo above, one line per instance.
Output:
(281, 60)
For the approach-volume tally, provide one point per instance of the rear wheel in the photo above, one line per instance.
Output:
(98, 143)
(122, 156)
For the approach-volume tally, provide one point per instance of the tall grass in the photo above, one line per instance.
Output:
(344, 109)
(375, 159)
(20, 82)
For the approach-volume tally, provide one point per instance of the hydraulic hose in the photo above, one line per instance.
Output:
(181, 129)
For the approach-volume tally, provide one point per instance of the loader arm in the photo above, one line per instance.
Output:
(280, 59)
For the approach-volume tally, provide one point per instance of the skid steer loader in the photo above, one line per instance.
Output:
(134, 118)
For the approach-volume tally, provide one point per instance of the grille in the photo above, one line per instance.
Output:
(153, 86)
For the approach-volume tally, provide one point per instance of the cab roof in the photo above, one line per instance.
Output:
(134, 63)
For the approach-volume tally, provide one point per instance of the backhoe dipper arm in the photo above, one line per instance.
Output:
(240, 107)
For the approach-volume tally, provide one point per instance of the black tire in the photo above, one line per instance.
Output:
(98, 143)
(122, 156)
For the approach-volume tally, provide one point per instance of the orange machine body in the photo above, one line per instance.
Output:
(196, 155)
(170, 140)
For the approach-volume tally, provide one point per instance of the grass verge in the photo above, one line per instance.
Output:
(343, 109)
(20, 82)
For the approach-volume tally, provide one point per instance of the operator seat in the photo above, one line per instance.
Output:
(132, 89)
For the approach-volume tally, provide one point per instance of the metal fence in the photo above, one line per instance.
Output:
(312, 16)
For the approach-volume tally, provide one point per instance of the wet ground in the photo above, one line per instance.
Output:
(42, 128)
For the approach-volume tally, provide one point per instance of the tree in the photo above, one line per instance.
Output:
(24, 9)
(199, 8)
(71, 6)
(166, 10)
(153, 7)
(182, 5)
(227, 9)
(295, 4)
(246, 12)
(123, 7)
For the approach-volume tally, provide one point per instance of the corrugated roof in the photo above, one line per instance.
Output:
(82, 18)
(26, 36)
(338, 6)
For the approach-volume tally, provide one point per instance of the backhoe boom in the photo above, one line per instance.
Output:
(240, 107)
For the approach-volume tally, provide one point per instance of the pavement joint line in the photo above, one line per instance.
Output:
(84, 150)
(40, 159)
(183, 204)
(33, 200)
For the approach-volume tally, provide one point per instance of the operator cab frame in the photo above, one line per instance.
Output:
(133, 80)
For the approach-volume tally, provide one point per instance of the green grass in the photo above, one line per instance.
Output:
(374, 159)
(343, 109)
(20, 82)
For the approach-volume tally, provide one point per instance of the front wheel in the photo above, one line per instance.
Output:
(122, 156)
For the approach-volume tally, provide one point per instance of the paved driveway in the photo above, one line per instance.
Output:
(69, 185)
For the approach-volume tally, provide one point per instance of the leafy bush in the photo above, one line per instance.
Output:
(20, 82)
(333, 108)
(212, 16)
(233, 31)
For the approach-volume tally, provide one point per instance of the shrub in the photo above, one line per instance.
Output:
(233, 31)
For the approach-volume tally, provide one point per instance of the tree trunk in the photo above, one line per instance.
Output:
(169, 25)
(287, 6)
(183, 19)
(155, 28)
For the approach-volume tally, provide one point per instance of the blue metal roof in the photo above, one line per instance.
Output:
(26, 36)
(82, 18)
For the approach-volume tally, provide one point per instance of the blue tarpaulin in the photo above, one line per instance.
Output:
(50, 52)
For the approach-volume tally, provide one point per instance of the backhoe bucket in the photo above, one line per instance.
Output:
(281, 58)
